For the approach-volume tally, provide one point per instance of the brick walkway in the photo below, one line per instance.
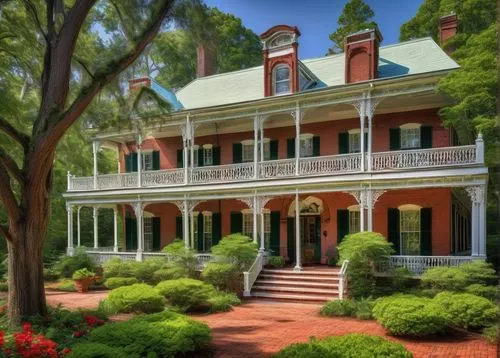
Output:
(260, 329)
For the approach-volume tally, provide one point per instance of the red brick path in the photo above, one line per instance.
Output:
(259, 329)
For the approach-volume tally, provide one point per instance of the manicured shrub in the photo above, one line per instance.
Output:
(169, 273)
(115, 267)
(349, 346)
(181, 257)
(143, 271)
(96, 350)
(445, 278)
(237, 249)
(410, 315)
(491, 334)
(69, 264)
(66, 285)
(466, 310)
(186, 293)
(136, 298)
(115, 282)
(479, 271)
(276, 261)
(364, 309)
(164, 334)
(365, 251)
(339, 308)
(223, 301)
(489, 292)
(225, 276)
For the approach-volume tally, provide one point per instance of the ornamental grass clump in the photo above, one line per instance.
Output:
(139, 297)
(349, 346)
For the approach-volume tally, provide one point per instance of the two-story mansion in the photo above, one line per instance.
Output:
(296, 154)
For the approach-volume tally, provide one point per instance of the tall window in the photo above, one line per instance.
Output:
(306, 145)
(147, 161)
(247, 150)
(207, 231)
(410, 136)
(410, 229)
(354, 141)
(248, 225)
(195, 156)
(207, 155)
(354, 219)
(148, 233)
(281, 79)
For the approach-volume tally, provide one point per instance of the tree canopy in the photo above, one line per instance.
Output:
(356, 16)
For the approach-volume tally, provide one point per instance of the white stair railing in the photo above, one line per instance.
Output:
(253, 272)
(343, 279)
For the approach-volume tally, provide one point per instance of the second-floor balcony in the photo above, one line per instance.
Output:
(286, 168)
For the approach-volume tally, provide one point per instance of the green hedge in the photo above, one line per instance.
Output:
(136, 298)
(67, 265)
(224, 276)
(489, 292)
(361, 309)
(186, 293)
(164, 334)
(97, 350)
(223, 301)
(347, 346)
(115, 282)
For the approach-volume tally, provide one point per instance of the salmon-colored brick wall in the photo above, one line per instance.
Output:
(328, 131)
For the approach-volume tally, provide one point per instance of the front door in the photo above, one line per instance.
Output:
(310, 232)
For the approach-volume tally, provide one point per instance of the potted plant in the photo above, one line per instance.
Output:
(83, 278)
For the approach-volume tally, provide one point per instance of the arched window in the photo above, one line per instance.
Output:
(281, 79)
(409, 221)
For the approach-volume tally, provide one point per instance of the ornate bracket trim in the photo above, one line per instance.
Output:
(476, 193)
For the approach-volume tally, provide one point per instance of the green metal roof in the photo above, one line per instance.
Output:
(402, 59)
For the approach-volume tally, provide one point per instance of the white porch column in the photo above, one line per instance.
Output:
(138, 209)
(95, 150)
(298, 116)
(78, 241)
(191, 221)
(115, 229)
(254, 218)
(362, 112)
(185, 222)
(139, 160)
(298, 266)
(479, 149)
(69, 209)
(186, 138)
(262, 229)
(261, 143)
(369, 149)
(477, 195)
(362, 206)
(369, 208)
(96, 227)
(255, 148)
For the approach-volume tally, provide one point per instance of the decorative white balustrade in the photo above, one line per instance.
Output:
(343, 279)
(222, 173)
(311, 166)
(424, 158)
(250, 276)
(101, 257)
(418, 264)
(163, 177)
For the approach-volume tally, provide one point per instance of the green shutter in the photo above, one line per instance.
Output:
(156, 160)
(453, 227)
(426, 137)
(366, 142)
(216, 228)
(201, 235)
(201, 156)
(134, 162)
(290, 148)
(180, 158)
(393, 229)
(343, 143)
(179, 227)
(128, 163)
(316, 146)
(426, 231)
(156, 234)
(273, 149)
(236, 222)
(317, 249)
(394, 139)
(342, 224)
(237, 153)
(275, 233)
(216, 155)
(131, 234)
(290, 238)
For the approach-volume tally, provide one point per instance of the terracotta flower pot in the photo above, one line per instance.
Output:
(83, 284)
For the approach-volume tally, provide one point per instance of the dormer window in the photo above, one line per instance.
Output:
(281, 79)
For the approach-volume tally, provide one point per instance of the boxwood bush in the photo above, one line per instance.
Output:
(223, 301)
(136, 298)
(170, 272)
(225, 276)
(115, 282)
(361, 309)
(67, 265)
(410, 315)
(348, 346)
(466, 310)
(237, 249)
(186, 293)
(96, 350)
(489, 292)
(164, 334)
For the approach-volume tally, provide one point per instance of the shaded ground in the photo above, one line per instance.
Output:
(259, 329)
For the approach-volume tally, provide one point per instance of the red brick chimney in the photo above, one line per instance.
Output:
(280, 53)
(137, 83)
(361, 55)
(448, 25)
(205, 61)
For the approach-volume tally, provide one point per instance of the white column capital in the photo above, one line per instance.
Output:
(371, 105)
(476, 193)
(69, 208)
(138, 208)
(360, 196)
(376, 194)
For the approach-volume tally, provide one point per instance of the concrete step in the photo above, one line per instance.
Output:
(272, 276)
(292, 283)
(298, 290)
(325, 273)
(293, 297)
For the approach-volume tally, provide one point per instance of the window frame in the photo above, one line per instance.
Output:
(354, 219)
(406, 141)
(195, 163)
(247, 150)
(307, 139)
(407, 232)
(275, 82)
(147, 229)
(208, 157)
(146, 157)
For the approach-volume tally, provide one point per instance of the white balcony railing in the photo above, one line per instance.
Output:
(418, 264)
(311, 166)
(424, 158)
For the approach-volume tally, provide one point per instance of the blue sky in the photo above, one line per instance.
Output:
(316, 19)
